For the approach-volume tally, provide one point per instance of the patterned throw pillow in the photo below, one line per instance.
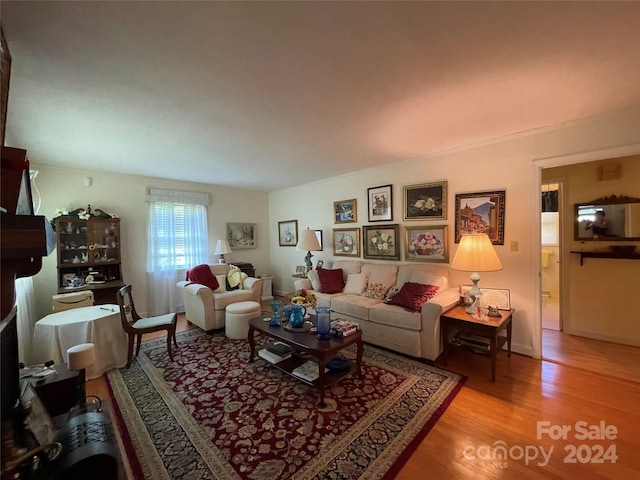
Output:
(375, 290)
(390, 294)
(413, 295)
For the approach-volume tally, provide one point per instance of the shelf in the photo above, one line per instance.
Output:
(606, 254)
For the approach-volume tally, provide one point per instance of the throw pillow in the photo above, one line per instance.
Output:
(375, 290)
(222, 284)
(331, 281)
(356, 283)
(202, 274)
(390, 294)
(313, 276)
(413, 295)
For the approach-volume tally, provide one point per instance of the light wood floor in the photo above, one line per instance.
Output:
(526, 391)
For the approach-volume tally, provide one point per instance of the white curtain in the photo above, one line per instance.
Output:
(26, 317)
(177, 237)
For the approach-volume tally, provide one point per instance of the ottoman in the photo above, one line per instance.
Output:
(237, 316)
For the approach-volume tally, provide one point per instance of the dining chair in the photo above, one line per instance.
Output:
(135, 325)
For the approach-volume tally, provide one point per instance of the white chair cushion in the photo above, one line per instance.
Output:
(155, 321)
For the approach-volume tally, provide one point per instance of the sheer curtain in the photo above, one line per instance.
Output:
(26, 316)
(177, 237)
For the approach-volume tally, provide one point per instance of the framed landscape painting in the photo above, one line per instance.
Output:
(426, 201)
(288, 233)
(346, 242)
(345, 211)
(426, 244)
(480, 212)
(381, 242)
(241, 235)
(379, 203)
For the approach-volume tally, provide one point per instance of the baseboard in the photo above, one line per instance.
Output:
(606, 338)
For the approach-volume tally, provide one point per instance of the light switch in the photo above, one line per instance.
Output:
(514, 246)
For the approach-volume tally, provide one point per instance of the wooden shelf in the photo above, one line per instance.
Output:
(604, 254)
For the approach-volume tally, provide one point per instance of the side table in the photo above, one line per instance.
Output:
(458, 320)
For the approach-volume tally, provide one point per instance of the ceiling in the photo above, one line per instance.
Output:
(266, 95)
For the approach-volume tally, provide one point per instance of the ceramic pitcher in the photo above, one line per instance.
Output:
(296, 320)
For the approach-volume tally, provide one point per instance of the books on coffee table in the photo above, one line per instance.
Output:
(309, 371)
(280, 348)
(344, 328)
(272, 357)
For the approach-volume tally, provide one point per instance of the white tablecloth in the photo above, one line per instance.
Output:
(99, 324)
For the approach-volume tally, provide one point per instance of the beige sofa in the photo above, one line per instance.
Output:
(413, 333)
(205, 307)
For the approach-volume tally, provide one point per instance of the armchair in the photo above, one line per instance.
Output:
(205, 307)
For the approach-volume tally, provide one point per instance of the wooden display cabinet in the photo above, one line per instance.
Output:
(86, 249)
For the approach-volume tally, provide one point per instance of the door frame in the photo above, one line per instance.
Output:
(536, 259)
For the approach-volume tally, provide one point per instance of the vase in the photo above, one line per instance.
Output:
(323, 314)
(69, 227)
(275, 316)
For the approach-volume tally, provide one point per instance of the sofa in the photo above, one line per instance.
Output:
(205, 307)
(415, 333)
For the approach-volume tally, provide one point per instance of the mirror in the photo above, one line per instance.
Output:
(610, 218)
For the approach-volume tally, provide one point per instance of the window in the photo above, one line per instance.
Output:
(178, 236)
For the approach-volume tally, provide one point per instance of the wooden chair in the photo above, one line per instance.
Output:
(135, 325)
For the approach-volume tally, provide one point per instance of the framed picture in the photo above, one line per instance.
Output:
(426, 244)
(301, 270)
(319, 237)
(380, 207)
(481, 212)
(496, 297)
(288, 233)
(345, 211)
(346, 242)
(426, 201)
(241, 235)
(381, 242)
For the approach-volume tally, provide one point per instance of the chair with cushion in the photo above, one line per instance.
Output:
(135, 325)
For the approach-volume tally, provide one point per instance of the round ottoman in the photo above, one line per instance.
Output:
(236, 319)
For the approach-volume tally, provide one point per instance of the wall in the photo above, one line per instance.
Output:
(124, 195)
(598, 293)
(506, 164)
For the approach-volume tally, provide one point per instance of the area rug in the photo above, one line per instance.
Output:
(212, 415)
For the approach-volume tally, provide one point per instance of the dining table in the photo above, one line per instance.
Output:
(54, 334)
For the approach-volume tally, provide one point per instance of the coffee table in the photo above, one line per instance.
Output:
(309, 347)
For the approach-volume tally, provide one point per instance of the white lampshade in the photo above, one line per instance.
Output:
(222, 248)
(476, 254)
(308, 241)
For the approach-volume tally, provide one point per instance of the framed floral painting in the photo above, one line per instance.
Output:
(380, 208)
(381, 242)
(288, 233)
(426, 201)
(346, 242)
(426, 244)
(345, 211)
(481, 212)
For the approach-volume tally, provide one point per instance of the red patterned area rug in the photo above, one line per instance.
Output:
(212, 415)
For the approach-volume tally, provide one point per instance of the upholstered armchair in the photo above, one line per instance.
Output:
(205, 307)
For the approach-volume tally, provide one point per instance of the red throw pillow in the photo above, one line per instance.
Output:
(413, 295)
(202, 274)
(331, 281)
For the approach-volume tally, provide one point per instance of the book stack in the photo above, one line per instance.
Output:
(476, 343)
(344, 328)
(276, 352)
(309, 371)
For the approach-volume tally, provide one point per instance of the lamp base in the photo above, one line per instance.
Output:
(307, 260)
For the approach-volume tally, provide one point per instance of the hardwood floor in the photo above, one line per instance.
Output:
(527, 391)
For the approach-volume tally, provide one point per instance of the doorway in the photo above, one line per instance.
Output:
(550, 255)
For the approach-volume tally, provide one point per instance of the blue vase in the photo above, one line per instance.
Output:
(296, 320)
(323, 314)
(275, 316)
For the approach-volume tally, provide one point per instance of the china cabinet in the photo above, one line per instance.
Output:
(89, 255)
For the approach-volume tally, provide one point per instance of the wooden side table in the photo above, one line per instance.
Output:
(458, 320)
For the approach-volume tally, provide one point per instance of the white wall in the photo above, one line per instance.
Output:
(598, 293)
(507, 164)
(124, 195)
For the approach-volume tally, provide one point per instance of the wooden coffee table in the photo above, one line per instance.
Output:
(309, 347)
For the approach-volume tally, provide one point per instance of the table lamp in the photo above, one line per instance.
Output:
(475, 254)
(222, 248)
(80, 357)
(309, 242)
